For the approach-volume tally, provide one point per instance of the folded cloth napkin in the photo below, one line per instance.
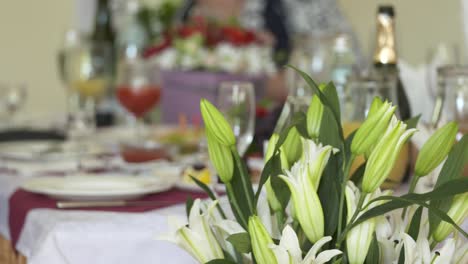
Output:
(28, 134)
(21, 202)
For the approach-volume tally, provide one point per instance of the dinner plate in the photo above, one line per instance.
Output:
(97, 187)
(47, 150)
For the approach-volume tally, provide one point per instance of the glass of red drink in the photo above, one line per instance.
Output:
(138, 91)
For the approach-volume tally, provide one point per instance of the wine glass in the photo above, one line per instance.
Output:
(138, 91)
(88, 74)
(236, 100)
(12, 98)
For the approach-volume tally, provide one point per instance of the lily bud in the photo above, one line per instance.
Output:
(315, 158)
(359, 238)
(458, 212)
(260, 240)
(371, 130)
(221, 157)
(217, 124)
(375, 106)
(307, 207)
(292, 146)
(270, 147)
(436, 149)
(383, 157)
(314, 117)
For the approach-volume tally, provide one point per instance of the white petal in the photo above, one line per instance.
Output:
(230, 227)
(281, 254)
(410, 249)
(290, 242)
(326, 255)
(446, 252)
(317, 246)
(263, 211)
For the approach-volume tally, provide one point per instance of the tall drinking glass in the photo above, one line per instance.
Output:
(87, 73)
(138, 91)
(236, 100)
(453, 89)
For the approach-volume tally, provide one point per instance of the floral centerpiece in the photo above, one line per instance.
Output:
(308, 209)
(196, 57)
(209, 46)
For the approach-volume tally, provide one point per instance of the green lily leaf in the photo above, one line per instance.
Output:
(330, 131)
(329, 190)
(242, 192)
(358, 174)
(413, 230)
(298, 118)
(452, 169)
(210, 194)
(329, 97)
(220, 261)
(373, 255)
(412, 122)
(241, 242)
(188, 205)
(451, 188)
(270, 167)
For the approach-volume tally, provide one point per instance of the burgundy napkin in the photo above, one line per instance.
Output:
(21, 202)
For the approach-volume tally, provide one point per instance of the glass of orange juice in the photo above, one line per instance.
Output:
(88, 75)
(359, 94)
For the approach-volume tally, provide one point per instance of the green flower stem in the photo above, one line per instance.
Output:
(353, 218)
(413, 183)
(235, 205)
(433, 244)
(343, 189)
(280, 218)
(245, 184)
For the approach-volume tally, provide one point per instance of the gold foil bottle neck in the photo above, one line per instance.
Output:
(385, 52)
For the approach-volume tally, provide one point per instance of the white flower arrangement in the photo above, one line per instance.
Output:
(324, 214)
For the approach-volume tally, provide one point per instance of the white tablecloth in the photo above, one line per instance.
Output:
(58, 237)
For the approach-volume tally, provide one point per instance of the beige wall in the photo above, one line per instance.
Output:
(420, 25)
(30, 34)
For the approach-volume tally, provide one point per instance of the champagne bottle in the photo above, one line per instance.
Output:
(385, 57)
(104, 35)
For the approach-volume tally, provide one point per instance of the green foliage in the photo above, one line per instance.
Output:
(241, 242)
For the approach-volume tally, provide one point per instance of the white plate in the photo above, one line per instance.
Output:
(100, 187)
(48, 150)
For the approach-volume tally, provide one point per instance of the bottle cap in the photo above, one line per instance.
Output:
(386, 9)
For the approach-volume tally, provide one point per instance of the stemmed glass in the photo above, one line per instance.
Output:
(88, 73)
(138, 91)
(236, 100)
(12, 97)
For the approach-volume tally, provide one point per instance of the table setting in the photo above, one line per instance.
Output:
(174, 147)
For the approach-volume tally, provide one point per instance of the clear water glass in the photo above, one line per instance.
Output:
(236, 100)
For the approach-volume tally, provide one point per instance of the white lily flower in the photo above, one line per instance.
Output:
(197, 238)
(307, 207)
(289, 251)
(265, 214)
(316, 157)
(359, 237)
(461, 251)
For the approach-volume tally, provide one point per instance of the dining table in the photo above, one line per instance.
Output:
(34, 231)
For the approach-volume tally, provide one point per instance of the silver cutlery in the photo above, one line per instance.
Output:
(115, 203)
